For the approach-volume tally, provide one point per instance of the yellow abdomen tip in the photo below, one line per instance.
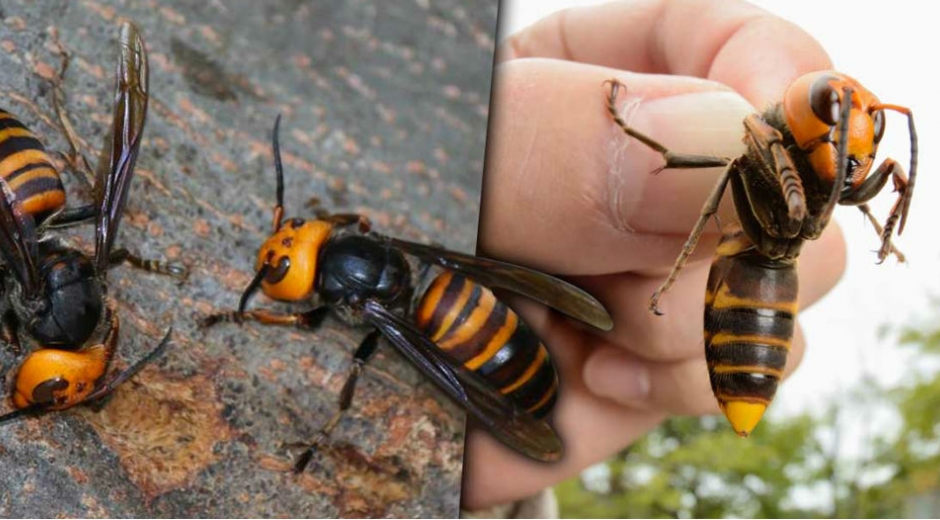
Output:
(744, 415)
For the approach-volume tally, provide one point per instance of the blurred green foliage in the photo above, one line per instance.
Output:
(873, 453)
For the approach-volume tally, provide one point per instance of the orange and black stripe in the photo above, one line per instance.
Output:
(467, 321)
(26, 167)
(750, 309)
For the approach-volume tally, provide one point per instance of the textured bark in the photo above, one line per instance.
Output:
(384, 112)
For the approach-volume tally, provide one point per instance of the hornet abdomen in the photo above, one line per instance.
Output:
(27, 169)
(466, 320)
(750, 309)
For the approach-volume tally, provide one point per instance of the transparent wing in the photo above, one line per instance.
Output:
(116, 167)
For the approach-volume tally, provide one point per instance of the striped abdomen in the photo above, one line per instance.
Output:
(467, 321)
(26, 167)
(750, 308)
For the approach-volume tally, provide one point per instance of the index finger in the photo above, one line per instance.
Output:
(731, 42)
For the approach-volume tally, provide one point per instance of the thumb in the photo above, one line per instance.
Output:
(568, 192)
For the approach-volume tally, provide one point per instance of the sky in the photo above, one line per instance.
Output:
(889, 49)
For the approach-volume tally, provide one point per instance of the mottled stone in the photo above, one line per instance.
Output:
(384, 112)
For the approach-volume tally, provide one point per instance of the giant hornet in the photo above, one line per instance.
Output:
(455, 330)
(52, 291)
(804, 155)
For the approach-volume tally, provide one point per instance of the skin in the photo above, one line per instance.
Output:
(567, 192)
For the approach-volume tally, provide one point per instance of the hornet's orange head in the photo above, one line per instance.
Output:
(286, 268)
(289, 259)
(57, 379)
(812, 106)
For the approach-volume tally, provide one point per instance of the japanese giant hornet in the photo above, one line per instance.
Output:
(456, 331)
(51, 291)
(804, 155)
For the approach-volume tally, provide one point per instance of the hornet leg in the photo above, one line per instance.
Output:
(71, 217)
(75, 158)
(340, 219)
(881, 233)
(889, 169)
(673, 160)
(8, 327)
(365, 351)
(309, 320)
(174, 269)
(708, 211)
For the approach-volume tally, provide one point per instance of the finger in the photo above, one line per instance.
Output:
(733, 42)
(677, 335)
(567, 192)
(678, 388)
(590, 428)
(493, 474)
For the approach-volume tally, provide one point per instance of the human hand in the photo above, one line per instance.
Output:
(567, 192)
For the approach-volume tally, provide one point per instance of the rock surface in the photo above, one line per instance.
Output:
(384, 110)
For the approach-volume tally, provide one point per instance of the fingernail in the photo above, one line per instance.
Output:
(615, 375)
(700, 122)
(710, 122)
